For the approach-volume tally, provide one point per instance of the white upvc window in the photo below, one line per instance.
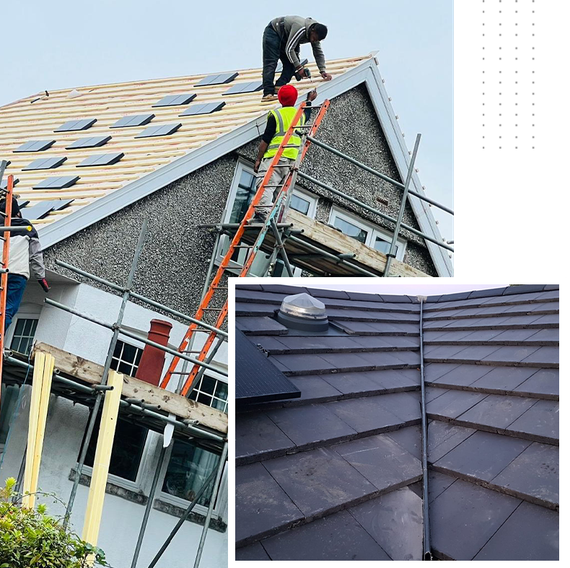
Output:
(241, 193)
(367, 233)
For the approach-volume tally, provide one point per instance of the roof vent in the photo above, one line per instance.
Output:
(302, 311)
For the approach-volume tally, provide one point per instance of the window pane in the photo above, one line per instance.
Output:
(208, 385)
(126, 358)
(244, 195)
(188, 469)
(127, 449)
(351, 230)
(24, 334)
(381, 245)
(299, 204)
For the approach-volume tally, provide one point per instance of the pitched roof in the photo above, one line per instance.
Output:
(150, 163)
(334, 474)
(49, 118)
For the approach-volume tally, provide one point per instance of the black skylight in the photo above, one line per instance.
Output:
(45, 164)
(35, 146)
(91, 142)
(101, 160)
(240, 88)
(204, 108)
(257, 379)
(73, 125)
(219, 79)
(60, 182)
(175, 100)
(159, 130)
(133, 120)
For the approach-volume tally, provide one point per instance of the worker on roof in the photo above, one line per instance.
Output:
(282, 40)
(278, 122)
(25, 257)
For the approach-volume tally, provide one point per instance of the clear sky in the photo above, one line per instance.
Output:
(71, 43)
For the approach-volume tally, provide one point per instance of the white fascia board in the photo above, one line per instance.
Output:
(401, 156)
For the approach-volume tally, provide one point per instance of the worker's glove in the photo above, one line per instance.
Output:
(44, 284)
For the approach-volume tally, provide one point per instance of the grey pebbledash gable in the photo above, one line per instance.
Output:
(175, 211)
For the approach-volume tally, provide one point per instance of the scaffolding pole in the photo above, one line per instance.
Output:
(218, 475)
(392, 252)
(106, 368)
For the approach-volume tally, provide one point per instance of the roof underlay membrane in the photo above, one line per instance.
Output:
(337, 473)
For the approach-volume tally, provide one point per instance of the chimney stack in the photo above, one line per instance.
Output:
(152, 360)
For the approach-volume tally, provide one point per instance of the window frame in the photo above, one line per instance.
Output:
(138, 484)
(221, 498)
(373, 230)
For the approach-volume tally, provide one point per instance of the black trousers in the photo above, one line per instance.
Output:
(273, 51)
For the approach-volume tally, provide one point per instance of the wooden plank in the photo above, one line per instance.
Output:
(94, 511)
(41, 390)
(338, 242)
(180, 406)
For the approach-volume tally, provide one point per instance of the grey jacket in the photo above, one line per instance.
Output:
(293, 31)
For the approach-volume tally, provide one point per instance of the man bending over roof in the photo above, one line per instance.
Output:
(282, 39)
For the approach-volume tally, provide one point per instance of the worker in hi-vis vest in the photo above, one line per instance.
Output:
(278, 122)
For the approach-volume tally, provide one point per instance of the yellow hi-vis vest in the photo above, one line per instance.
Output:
(283, 118)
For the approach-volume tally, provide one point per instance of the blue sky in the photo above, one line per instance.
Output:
(70, 43)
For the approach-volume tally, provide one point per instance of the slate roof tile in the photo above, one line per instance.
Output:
(320, 481)
(338, 537)
(261, 504)
(530, 533)
(494, 430)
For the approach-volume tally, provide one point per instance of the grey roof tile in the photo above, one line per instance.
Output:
(365, 414)
(462, 375)
(260, 325)
(381, 461)
(540, 421)
(551, 334)
(313, 387)
(434, 371)
(302, 363)
(543, 381)
(310, 424)
(256, 433)
(530, 533)
(319, 481)
(534, 472)
(497, 411)
(473, 353)
(261, 504)
(315, 541)
(395, 522)
(482, 455)
(545, 356)
(395, 378)
(503, 378)
(252, 552)
(438, 483)
(453, 403)
(408, 438)
(443, 437)
(510, 354)
(465, 516)
(355, 382)
(404, 405)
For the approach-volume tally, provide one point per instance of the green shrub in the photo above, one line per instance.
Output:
(32, 539)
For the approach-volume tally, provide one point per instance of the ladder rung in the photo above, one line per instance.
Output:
(243, 246)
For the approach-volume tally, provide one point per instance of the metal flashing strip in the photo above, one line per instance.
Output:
(427, 555)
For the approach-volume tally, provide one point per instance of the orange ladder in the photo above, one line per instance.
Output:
(5, 220)
(272, 217)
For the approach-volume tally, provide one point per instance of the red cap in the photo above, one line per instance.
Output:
(288, 95)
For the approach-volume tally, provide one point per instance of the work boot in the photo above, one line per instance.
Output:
(269, 98)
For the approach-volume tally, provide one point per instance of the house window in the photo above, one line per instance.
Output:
(212, 392)
(244, 192)
(126, 358)
(366, 233)
(188, 469)
(303, 202)
(128, 447)
(130, 439)
(23, 336)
